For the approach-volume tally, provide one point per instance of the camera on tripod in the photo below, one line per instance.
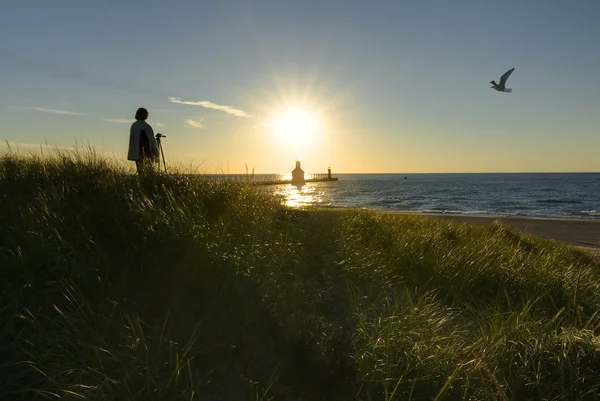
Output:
(159, 135)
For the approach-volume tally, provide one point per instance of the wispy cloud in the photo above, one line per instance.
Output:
(211, 105)
(54, 111)
(263, 124)
(37, 146)
(24, 148)
(119, 120)
(128, 121)
(192, 123)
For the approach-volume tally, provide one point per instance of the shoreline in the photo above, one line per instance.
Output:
(583, 234)
(578, 232)
(573, 232)
(581, 217)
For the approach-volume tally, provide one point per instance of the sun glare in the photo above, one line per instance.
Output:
(296, 126)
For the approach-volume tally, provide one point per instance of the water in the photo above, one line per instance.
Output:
(536, 195)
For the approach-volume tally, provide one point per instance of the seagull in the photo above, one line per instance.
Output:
(500, 87)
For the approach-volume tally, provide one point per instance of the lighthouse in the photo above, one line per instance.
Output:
(298, 174)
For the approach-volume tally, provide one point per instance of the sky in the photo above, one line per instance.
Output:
(389, 86)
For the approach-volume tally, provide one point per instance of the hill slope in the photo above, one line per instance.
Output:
(116, 287)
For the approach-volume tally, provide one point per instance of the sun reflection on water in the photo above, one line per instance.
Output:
(300, 195)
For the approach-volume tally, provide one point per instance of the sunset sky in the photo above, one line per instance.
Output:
(361, 86)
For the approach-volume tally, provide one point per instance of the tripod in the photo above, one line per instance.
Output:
(160, 148)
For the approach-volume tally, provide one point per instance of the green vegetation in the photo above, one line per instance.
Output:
(168, 287)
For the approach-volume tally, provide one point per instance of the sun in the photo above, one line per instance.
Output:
(296, 126)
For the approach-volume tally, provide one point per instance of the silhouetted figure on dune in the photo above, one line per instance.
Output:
(143, 148)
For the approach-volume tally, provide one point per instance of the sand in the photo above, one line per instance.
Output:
(583, 234)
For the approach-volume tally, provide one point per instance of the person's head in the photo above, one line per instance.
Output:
(141, 114)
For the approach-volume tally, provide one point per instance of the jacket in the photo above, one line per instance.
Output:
(136, 140)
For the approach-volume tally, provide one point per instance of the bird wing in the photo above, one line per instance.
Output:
(504, 77)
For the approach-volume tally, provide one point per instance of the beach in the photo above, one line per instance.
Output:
(583, 234)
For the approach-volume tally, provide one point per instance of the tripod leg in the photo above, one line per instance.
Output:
(163, 157)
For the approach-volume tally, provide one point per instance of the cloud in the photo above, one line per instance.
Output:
(263, 124)
(211, 105)
(128, 121)
(54, 111)
(192, 123)
(37, 146)
(119, 120)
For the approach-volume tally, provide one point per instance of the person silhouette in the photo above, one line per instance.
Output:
(142, 143)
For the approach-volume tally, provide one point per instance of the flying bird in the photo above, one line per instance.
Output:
(501, 86)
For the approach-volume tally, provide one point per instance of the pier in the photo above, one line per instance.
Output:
(313, 178)
(266, 179)
(298, 177)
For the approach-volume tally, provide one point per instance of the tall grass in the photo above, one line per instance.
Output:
(167, 287)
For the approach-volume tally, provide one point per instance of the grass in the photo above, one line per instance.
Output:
(168, 287)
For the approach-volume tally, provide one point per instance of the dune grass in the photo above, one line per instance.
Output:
(168, 287)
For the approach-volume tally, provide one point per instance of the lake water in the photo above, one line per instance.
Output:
(535, 195)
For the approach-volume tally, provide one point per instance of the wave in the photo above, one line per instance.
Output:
(582, 215)
(560, 201)
(587, 213)
(545, 196)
